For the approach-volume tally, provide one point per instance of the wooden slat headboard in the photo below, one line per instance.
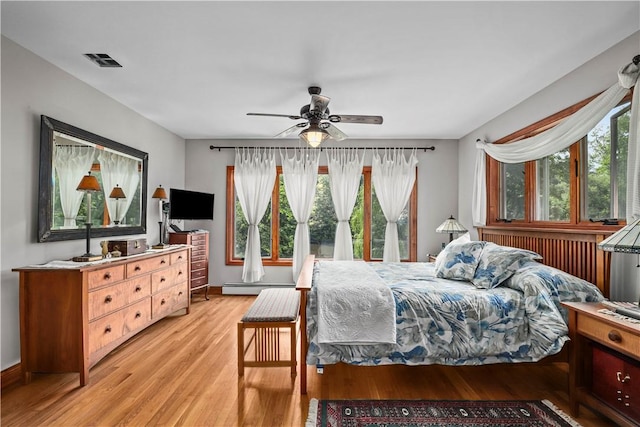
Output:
(573, 251)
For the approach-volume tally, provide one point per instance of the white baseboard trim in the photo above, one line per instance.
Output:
(239, 288)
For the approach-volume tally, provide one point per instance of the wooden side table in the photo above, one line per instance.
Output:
(604, 363)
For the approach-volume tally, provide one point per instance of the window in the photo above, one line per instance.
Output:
(277, 228)
(578, 187)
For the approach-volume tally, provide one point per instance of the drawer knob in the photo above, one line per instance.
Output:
(180, 273)
(615, 336)
(108, 299)
(137, 268)
(138, 288)
(179, 293)
(162, 279)
(163, 261)
(626, 378)
(107, 329)
(138, 314)
(179, 256)
(107, 276)
(162, 302)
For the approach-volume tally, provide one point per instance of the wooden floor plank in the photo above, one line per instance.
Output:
(183, 371)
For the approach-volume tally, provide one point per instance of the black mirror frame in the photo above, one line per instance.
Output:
(45, 233)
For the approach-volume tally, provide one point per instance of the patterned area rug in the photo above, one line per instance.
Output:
(432, 413)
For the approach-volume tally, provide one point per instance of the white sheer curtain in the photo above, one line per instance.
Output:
(123, 171)
(393, 177)
(254, 176)
(71, 163)
(300, 173)
(345, 169)
(563, 135)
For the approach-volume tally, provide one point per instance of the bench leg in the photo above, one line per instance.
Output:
(240, 349)
(294, 350)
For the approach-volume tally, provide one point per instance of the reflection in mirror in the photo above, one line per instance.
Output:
(67, 153)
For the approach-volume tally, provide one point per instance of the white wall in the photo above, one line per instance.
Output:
(31, 87)
(437, 195)
(590, 79)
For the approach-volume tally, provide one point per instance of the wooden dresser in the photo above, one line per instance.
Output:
(604, 363)
(71, 317)
(199, 240)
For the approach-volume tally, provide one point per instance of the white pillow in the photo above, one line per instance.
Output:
(465, 238)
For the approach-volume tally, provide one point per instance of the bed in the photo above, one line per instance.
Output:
(480, 303)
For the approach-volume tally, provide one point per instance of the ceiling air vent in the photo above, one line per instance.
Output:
(102, 60)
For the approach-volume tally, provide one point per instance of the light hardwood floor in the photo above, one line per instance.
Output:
(183, 371)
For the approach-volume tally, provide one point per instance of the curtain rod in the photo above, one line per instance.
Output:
(226, 147)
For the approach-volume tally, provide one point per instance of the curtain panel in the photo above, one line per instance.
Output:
(71, 163)
(345, 169)
(300, 175)
(393, 177)
(561, 136)
(254, 178)
(123, 171)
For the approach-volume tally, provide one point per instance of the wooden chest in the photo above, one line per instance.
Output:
(128, 247)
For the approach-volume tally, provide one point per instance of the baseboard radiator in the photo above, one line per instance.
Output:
(573, 251)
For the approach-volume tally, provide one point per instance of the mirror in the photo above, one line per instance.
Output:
(67, 153)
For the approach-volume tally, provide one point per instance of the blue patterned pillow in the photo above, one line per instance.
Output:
(497, 263)
(458, 261)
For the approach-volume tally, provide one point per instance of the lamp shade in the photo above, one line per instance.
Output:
(627, 239)
(451, 226)
(159, 193)
(313, 135)
(88, 183)
(117, 193)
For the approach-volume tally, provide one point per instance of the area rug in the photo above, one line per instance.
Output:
(432, 413)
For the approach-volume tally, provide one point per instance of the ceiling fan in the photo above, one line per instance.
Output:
(319, 120)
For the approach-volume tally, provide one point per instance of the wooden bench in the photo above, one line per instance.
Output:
(272, 310)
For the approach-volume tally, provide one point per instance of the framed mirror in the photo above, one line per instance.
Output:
(68, 153)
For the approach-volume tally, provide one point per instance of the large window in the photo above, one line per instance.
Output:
(277, 227)
(578, 187)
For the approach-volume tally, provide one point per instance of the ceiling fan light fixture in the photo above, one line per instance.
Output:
(314, 136)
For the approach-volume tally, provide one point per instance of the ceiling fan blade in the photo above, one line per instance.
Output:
(319, 103)
(335, 133)
(274, 115)
(344, 118)
(291, 130)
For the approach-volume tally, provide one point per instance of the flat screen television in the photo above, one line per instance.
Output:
(185, 204)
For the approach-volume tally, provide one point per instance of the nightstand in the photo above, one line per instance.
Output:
(604, 363)
(431, 257)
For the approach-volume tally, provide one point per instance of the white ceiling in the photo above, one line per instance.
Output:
(431, 69)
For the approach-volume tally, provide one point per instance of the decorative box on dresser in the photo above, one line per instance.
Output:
(73, 316)
(199, 242)
(604, 363)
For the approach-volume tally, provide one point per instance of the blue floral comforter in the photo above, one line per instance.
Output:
(449, 322)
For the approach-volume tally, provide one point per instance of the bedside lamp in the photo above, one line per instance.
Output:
(452, 227)
(625, 240)
(88, 184)
(117, 194)
(160, 194)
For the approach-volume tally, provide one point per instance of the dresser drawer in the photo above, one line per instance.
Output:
(106, 300)
(170, 300)
(608, 335)
(137, 268)
(179, 257)
(199, 238)
(199, 281)
(198, 265)
(116, 325)
(198, 254)
(105, 276)
(168, 277)
(195, 274)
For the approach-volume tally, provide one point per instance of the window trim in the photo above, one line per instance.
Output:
(275, 206)
(494, 190)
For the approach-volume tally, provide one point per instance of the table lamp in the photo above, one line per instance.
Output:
(452, 227)
(625, 240)
(160, 194)
(88, 184)
(117, 193)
